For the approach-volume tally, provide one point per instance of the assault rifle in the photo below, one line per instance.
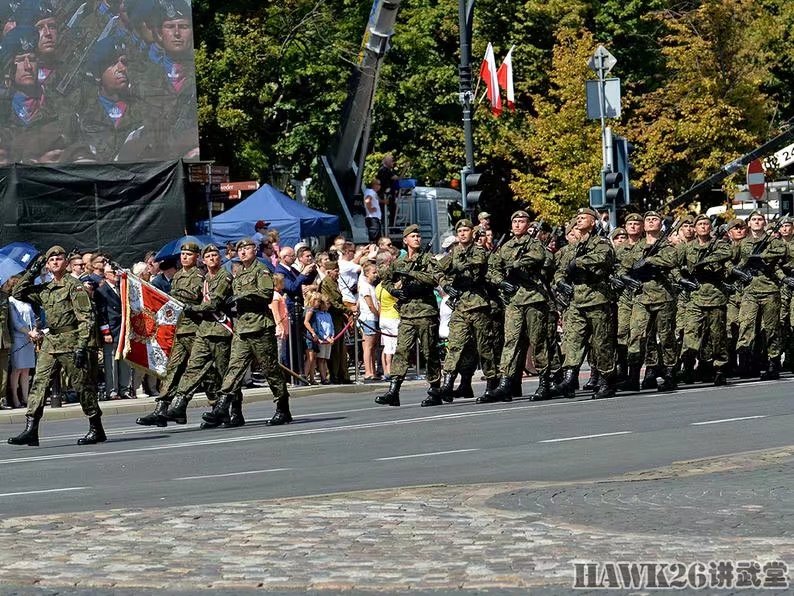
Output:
(643, 271)
(689, 283)
(755, 264)
(564, 288)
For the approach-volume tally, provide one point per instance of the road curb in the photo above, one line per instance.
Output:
(146, 404)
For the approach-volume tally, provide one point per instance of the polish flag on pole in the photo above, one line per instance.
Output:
(489, 77)
(505, 77)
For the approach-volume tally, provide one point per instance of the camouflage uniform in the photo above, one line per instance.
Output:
(705, 329)
(588, 324)
(654, 309)
(519, 262)
(209, 355)
(254, 340)
(464, 272)
(761, 302)
(337, 366)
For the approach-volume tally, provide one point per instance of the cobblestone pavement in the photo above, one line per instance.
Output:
(425, 538)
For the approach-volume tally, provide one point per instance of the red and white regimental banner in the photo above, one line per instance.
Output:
(148, 324)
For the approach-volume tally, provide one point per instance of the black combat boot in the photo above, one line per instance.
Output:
(632, 382)
(567, 387)
(490, 387)
(96, 434)
(704, 372)
(719, 377)
(593, 382)
(464, 390)
(157, 417)
(745, 358)
(667, 381)
(502, 392)
(445, 393)
(649, 380)
(282, 415)
(606, 387)
(392, 396)
(236, 413)
(515, 387)
(772, 372)
(29, 436)
(177, 411)
(543, 391)
(220, 413)
(621, 364)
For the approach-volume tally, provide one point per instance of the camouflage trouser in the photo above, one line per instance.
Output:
(177, 364)
(555, 353)
(706, 335)
(732, 319)
(261, 347)
(759, 324)
(623, 320)
(467, 328)
(648, 321)
(209, 359)
(425, 331)
(589, 329)
(82, 382)
(525, 326)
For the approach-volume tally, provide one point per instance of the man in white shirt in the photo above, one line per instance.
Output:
(372, 206)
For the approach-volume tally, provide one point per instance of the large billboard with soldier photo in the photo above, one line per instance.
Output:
(97, 81)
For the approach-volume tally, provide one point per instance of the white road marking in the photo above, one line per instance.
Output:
(45, 491)
(233, 474)
(622, 432)
(726, 420)
(424, 454)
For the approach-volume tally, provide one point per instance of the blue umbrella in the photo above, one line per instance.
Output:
(8, 268)
(173, 248)
(22, 252)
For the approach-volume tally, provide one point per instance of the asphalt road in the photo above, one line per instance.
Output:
(345, 442)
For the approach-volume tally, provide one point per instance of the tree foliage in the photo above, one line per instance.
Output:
(703, 82)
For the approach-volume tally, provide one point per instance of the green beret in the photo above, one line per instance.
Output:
(633, 217)
(190, 247)
(410, 230)
(702, 217)
(736, 223)
(519, 214)
(210, 248)
(332, 265)
(687, 219)
(464, 223)
(244, 242)
(587, 211)
(483, 215)
(55, 250)
(756, 212)
(73, 256)
(617, 232)
(651, 214)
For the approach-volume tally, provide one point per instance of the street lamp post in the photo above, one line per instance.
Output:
(465, 20)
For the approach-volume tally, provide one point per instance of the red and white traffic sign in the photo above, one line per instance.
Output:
(756, 180)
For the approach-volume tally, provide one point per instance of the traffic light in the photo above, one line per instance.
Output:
(471, 189)
(620, 158)
(613, 188)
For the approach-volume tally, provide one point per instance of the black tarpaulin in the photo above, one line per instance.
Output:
(121, 209)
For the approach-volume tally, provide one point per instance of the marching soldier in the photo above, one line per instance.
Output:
(412, 279)
(786, 318)
(760, 259)
(70, 317)
(209, 355)
(654, 265)
(737, 231)
(705, 329)
(587, 267)
(254, 340)
(516, 268)
(633, 227)
(187, 286)
(464, 273)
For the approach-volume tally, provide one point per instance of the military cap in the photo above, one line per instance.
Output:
(210, 248)
(786, 219)
(30, 12)
(22, 39)
(332, 265)
(463, 223)
(74, 255)
(54, 251)
(244, 242)
(104, 54)
(518, 214)
(633, 217)
(687, 219)
(142, 11)
(702, 217)
(414, 228)
(651, 214)
(587, 211)
(617, 232)
(483, 215)
(756, 212)
(736, 223)
(171, 10)
(190, 246)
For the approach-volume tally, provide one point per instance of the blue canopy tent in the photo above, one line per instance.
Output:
(292, 220)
